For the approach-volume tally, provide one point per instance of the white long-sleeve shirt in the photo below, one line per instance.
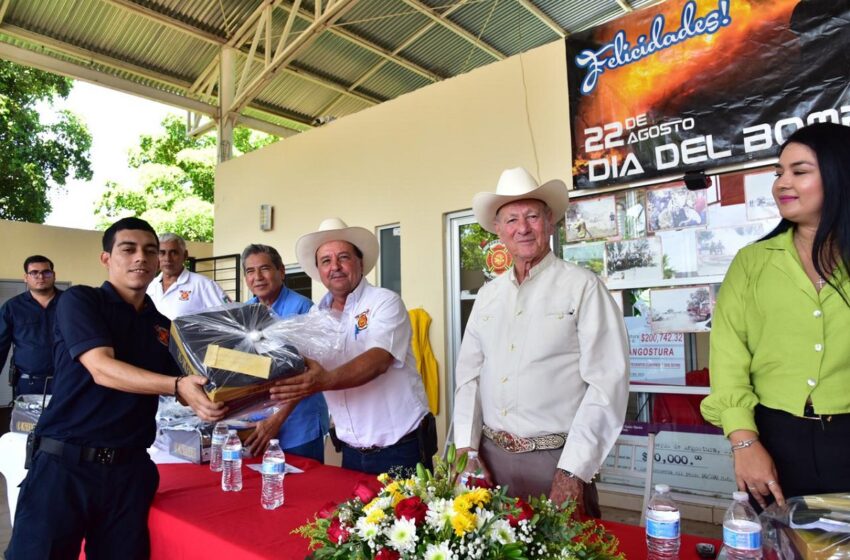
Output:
(546, 356)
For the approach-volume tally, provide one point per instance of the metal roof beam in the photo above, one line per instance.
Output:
(539, 14)
(332, 12)
(90, 57)
(625, 5)
(455, 28)
(51, 64)
(169, 21)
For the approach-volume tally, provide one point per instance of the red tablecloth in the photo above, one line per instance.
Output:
(192, 518)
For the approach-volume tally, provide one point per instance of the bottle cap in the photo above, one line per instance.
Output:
(231, 432)
(662, 488)
(740, 496)
(273, 442)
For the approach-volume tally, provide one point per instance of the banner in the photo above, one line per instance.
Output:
(691, 85)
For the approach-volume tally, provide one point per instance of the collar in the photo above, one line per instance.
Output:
(537, 269)
(182, 278)
(112, 296)
(284, 292)
(351, 299)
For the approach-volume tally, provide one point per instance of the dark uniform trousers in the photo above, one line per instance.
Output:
(64, 500)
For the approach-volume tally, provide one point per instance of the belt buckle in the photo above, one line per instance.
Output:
(104, 455)
(514, 444)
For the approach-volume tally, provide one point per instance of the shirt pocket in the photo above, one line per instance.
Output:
(557, 333)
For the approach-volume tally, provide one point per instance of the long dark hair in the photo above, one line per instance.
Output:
(831, 247)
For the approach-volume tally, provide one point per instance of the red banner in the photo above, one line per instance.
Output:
(691, 85)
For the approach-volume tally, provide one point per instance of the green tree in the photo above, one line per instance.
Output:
(36, 156)
(175, 186)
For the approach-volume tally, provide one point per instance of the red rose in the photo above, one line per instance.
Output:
(327, 510)
(412, 508)
(525, 513)
(387, 554)
(479, 482)
(338, 533)
(366, 491)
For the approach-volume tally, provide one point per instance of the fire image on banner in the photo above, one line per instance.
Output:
(689, 85)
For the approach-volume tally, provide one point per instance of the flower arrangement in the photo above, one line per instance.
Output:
(434, 517)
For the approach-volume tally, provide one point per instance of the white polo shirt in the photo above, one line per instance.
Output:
(382, 411)
(191, 293)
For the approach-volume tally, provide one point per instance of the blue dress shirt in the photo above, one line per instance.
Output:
(29, 326)
(310, 418)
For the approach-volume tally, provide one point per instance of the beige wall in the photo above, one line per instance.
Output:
(410, 160)
(74, 252)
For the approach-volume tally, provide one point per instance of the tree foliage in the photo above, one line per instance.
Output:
(36, 155)
(175, 186)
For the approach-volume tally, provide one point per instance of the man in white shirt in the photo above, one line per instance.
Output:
(177, 291)
(376, 397)
(542, 373)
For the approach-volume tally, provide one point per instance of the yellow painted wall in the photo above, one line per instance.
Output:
(410, 160)
(75, 252)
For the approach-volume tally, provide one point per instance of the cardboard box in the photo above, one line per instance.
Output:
(191, 444)
(26, 411)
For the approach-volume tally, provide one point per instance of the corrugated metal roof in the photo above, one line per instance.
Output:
(373, 51)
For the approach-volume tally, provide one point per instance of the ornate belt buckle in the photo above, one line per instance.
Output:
(514, 444)
(104, 456)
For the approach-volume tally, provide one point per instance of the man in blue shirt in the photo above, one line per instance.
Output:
(91, 477)
(300, 428)
(26, 321)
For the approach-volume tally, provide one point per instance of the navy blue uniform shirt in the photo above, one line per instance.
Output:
(82, 412)
(29, 326)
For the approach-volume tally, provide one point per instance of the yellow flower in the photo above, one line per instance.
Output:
(463, 522)
(478, 496)
(375, 516)
(383, 478)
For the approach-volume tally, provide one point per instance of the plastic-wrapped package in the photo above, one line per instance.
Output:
(808, 528)
(26, 411)
(243, 349)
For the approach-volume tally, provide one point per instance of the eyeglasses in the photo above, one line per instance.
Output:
(42, 273)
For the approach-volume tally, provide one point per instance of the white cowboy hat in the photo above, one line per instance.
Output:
(334, 229)
(518, 184)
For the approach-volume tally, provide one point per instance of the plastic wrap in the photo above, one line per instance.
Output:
(243, 349)
(26, 411)
(808, 528)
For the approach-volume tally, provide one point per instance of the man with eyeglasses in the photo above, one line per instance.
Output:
(26, 321)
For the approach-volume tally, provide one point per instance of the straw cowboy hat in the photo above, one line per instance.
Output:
(334, 229)
(518, 184)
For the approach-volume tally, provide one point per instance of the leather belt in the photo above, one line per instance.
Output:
(516, 444)
(99, 455)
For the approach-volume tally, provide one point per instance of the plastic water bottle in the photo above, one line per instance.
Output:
(274, 469)
(219, 436)
(741, 529)
(231, 458)
(662, 525)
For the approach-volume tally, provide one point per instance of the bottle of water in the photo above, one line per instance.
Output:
(274, 469)
(741, 529)
(662, 525)
(231, 458)
(219, 436)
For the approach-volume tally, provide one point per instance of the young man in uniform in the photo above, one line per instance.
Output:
(91, 477)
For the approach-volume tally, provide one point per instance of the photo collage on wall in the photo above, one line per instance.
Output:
(675, 242)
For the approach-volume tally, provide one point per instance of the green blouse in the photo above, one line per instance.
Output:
(775, 340)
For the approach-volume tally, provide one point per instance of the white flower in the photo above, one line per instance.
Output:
(482, 516)
(378, 503)
(367, 531)
(502, 532)
(402, 535)
(440, 551)
(439, 514)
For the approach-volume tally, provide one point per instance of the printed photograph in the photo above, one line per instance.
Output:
(631, 213)
(717, 247)
(677, 310)
(587, 255)
(593, 218)
(759, 197)
(634, 259)
(679, 257)
(675, 207)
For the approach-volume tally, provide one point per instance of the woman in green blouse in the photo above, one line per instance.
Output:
(780, 340)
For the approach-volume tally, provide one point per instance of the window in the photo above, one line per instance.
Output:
(389, 264)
